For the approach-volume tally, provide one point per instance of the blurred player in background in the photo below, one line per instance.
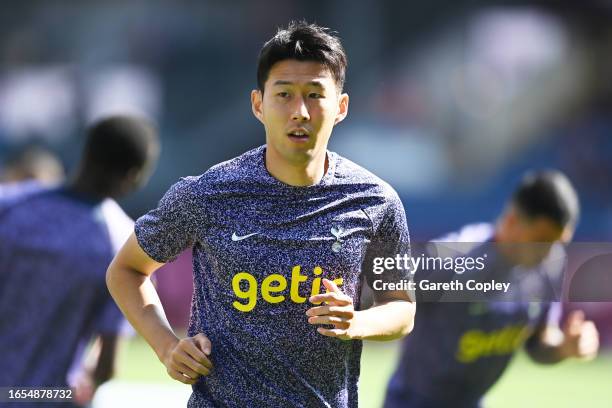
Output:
(459, 350)
(55, 246)
(30, 168)
(33, 163)
(270, 229)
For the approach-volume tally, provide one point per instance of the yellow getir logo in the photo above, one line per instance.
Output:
(273, 287)
(475, 344)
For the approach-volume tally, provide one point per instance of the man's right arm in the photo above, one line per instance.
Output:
(128, 280)
(577, 338)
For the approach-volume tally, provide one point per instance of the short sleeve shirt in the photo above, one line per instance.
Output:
(54, 251)
(260, 249)
(458, 350)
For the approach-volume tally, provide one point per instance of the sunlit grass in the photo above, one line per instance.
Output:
(525, 384)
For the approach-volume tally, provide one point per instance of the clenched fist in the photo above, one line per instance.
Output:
(188, 359)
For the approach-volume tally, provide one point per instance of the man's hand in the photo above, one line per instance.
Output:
(187, 359)
(338, 311)
(84, 388)
(580, 337)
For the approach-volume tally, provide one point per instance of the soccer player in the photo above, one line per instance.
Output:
(32, 163)
(55, 246)
(458, 350)
(271, 230)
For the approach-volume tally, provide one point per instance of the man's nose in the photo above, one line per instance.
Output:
(300, 111)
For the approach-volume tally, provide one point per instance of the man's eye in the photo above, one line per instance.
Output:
(315, 95)
(283, 94)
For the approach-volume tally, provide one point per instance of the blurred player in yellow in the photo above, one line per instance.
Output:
(458, 350)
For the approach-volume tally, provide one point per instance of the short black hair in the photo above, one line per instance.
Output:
(548, 194)
(303, 42)
(116, 146)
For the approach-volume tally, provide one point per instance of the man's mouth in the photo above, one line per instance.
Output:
(298, 135)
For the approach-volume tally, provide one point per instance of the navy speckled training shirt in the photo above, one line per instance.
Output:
(55, 247)
(260, 250)
(458, 350)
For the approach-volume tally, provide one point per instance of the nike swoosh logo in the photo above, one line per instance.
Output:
(240, 238)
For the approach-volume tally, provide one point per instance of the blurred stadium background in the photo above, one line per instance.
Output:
(450, 102)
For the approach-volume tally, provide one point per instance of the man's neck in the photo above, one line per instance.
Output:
(506, 247)
(308, 174)
(82, 187)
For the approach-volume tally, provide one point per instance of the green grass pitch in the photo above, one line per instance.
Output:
(525, 384)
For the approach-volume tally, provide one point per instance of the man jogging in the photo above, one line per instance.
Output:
(55, 246)
(458, 350)
(271, 231)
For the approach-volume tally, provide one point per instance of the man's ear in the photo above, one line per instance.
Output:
(511, 216)
(507, 221)
(343, 103)
(256, 104)
(567, 234)
(134, 179)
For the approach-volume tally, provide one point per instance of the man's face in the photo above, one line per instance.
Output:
(299, 107)
(533, 237)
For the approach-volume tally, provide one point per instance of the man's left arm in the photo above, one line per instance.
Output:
(391, 317)
(98, 367)
(577, 338)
